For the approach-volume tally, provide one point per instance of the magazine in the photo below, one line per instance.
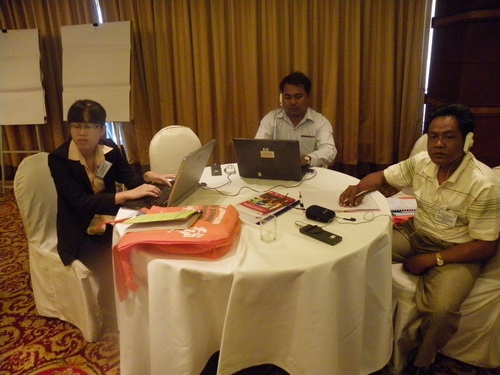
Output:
(268, 202)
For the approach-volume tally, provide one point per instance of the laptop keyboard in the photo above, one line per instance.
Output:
(161, 200)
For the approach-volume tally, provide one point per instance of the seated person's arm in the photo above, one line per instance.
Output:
(371, 182)
(158, 178)
(469, 252)
(136, 193)
(325, 146)
(145, 189)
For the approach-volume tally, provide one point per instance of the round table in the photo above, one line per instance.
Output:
(298, 303)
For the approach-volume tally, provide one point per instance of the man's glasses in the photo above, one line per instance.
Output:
(84, 126)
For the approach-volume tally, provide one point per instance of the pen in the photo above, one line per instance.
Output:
(347, 218)
(356, 196)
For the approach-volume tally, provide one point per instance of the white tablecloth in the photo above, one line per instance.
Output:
(305, 306)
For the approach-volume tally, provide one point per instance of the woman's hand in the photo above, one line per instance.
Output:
(139, 192)
(158, 178)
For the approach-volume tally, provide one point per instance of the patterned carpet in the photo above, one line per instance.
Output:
(31, 344)
(34, 345)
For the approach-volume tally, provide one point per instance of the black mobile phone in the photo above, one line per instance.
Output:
(320, 234)
(216, 169)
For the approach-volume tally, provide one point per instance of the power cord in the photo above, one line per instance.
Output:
(313, 174)
(368, 217)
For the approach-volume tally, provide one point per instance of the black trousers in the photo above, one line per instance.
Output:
(95, 252)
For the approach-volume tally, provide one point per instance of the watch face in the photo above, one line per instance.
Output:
(439, 260)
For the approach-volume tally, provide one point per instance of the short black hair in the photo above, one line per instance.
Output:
(87, 110)
(296, 79)
(464, 116)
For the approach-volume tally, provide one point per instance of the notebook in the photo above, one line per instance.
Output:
(402, 204)
(186, 182)
(273, 159)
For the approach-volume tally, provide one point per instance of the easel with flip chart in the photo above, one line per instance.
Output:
(21, 93)
(96, 66)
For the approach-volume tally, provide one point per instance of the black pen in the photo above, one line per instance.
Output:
(347, 218)
(301, 203)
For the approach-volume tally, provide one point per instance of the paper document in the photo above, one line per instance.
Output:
(402, 203)
(330, 199)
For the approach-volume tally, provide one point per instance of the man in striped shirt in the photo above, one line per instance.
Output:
(455, 228)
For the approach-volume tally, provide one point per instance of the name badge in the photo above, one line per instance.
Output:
(445, 217)
(103, 169)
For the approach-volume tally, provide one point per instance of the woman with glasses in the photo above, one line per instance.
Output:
(86, 169)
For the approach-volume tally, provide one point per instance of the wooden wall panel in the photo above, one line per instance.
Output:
(465, 68)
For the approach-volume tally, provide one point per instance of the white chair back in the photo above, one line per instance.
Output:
(36, 198)
(420, 145)
(69, 292)
(169, 146)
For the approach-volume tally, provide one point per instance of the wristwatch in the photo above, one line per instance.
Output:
(439, 259)
(307, 158)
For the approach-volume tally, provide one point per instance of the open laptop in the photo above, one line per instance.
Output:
(273, 159)
(186, 182)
